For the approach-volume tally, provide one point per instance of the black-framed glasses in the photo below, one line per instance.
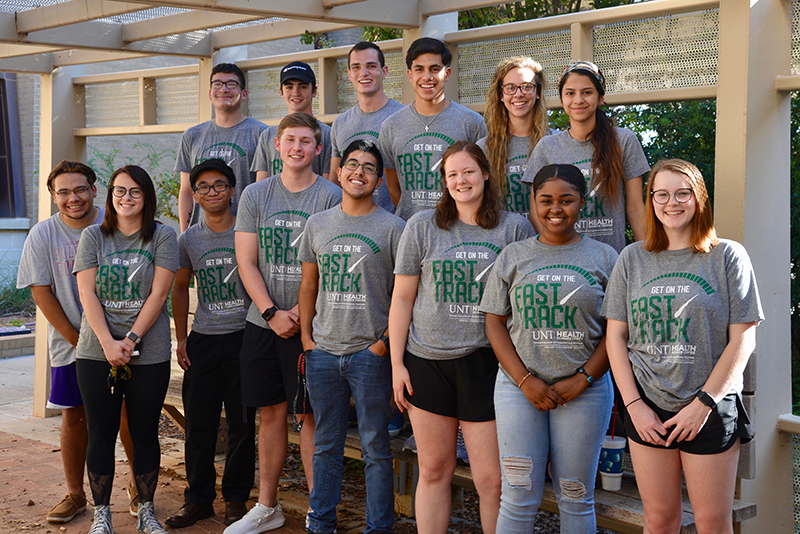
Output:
(353, 164)
(230, 84)
(119, 191)
(510, 89)
(205, 189)
(661, 196)
(66, 193)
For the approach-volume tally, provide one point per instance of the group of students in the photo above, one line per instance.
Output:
(507, 245)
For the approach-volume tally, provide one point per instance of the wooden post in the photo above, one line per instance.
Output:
(62, 108)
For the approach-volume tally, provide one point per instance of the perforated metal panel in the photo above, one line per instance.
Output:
(796, 472)
(677, 50)
(478, 61)
(112, 104)
(176, 100)
(795, 13)
(392, 84)
(263, 93)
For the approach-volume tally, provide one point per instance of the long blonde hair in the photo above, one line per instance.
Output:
(497, 118)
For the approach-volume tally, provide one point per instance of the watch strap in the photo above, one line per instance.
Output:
(269, 313)
(706, 399)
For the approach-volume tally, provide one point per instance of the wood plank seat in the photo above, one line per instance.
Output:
(621, 511)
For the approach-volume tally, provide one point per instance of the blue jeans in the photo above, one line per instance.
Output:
(331, 379)
(571, 434)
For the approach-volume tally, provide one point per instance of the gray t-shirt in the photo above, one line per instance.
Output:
(235, 145)
(355, 124)
(678, 306)
(518, 194)
(125, 270)
(416, 154)
(47, 258)
(553, 295)
(268, 158)
(599, 219)
(279, 217)
(355, 257)
(453, 266)
(221, 299)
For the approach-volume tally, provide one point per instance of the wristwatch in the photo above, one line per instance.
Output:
(269, 313)
(133, 337)
(385, 340)
(706, 399)
(589, 378)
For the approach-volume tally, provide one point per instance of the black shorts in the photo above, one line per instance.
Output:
(726, 423)
(462, 388)
(269, 365)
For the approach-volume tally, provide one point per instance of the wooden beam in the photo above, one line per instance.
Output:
(194, 44)
(72, 12)
(83, 57)
(271, 31)
(181, 23)
(593, 17)
(39, 64)
(131, 130)
(402, 14)
(12, 50)
(164, 72)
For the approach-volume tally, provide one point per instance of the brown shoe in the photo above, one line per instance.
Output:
(189, 514)
(133, 497)
(234, 511)
(71, 505)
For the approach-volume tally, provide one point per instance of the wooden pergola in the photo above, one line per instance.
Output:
(752, 83)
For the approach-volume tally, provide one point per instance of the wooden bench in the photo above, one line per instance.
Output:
(621, 511)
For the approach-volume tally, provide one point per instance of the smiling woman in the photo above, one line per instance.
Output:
(542, 305)
(125, 268)
(440, 354)
(682, 307)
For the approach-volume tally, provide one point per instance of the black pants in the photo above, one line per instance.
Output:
(213, 379)
(144, 395)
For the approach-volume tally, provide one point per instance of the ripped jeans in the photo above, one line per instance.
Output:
(572, 436)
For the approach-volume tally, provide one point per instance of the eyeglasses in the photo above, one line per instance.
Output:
(230, 84)
(119, 191)
(681, 195)
(205, 189)
(352, 165)
(526, 88)
(66, 193)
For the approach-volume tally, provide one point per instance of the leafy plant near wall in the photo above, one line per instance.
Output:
(157, 163)
(319, 40)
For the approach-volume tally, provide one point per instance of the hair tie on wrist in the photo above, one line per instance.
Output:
(519, 386)
(634, 400)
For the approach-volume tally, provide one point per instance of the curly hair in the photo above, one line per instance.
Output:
(497, 120)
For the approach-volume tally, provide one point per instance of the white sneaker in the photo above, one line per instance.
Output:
(102, 520)
(147, 522)
(260, 518)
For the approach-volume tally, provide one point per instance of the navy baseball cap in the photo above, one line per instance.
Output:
(214, 164)
(297, 70)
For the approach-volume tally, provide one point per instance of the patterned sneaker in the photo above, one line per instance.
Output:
(71, 505)
(133, 497)
(260, 518)
(102, 520)
(147, 522)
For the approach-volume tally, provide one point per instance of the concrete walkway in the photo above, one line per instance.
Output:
(32, 477)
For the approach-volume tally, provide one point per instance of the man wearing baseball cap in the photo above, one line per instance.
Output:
(298, 89)
(210, 354)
